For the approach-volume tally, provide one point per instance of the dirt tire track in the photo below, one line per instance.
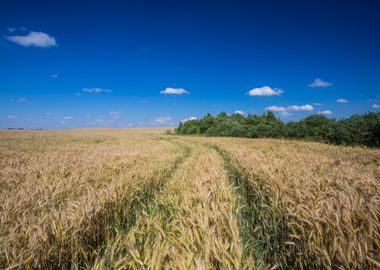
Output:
(252, 200)
(191, 223)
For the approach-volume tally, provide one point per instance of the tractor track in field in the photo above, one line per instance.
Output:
(253, 213)
(259, 242)
(244, 192)
(192, 221)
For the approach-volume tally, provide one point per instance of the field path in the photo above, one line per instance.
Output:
(191, 224)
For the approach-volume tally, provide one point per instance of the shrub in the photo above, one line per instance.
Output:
(356, 130)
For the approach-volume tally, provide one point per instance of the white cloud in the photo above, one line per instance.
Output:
(325, 112)
(68, 118)
(54, 76)
(189, 118)
(265, 91)
(115, 115)
(174, 91)
(317, 104)
(96, 90)
(36, 39)
(342, 100)
(276, 108)
(376, 106)
(11, 116)
(13, 29)
(239, 112)
(22, 99)
(162, 120)
(319, 83)
(306, 107)
(78, 94)
(48, 114)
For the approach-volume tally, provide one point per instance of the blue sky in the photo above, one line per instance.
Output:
(67, 64)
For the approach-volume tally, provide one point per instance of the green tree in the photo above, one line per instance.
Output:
(356, 130)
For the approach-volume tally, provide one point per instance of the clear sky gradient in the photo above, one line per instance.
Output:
(67, 64)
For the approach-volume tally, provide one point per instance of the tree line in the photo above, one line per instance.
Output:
(356, 130)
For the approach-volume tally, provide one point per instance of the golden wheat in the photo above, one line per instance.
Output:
(60, 195)
(191, 224)
(325, 201)
(137, 199)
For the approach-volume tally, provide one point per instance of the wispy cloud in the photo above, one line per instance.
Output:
(115, 115)
(325, 112)
(162, 120)
(22, 99)
(189, 118)
(342, 100)
(68, 118)
(36, 39)
(13, 29)
(376, 106)
(317, 104)
(11, 116)
(265, 91)
(319, 83)
(96, 90)
(55, 76)
(48, 114)
(174, 91)
(306, 107)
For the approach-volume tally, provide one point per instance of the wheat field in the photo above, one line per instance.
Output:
(140, 199)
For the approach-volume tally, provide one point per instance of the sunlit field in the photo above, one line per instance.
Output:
(141, 199)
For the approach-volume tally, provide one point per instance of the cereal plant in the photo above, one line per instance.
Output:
(140, 199)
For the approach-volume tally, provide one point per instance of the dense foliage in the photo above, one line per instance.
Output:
(356, 130)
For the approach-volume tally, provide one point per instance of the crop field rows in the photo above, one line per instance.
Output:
(138, 199)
